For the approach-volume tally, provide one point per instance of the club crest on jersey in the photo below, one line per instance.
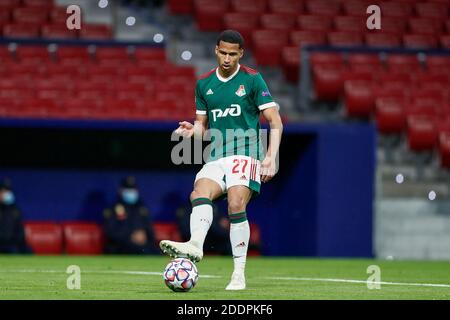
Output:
(241, 91)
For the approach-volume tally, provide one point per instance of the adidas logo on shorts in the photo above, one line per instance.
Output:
(243, 177)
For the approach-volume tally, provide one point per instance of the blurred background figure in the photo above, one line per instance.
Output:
(127, 224)
(12, 238)
(218, 239)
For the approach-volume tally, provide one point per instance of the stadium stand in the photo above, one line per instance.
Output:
(44, 237)
(87, 238)
(82, 238)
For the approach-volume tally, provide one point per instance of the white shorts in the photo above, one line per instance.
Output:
(233, 171)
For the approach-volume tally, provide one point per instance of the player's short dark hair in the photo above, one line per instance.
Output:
(231, 36)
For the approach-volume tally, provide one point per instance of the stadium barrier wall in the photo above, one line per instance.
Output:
(319, 204)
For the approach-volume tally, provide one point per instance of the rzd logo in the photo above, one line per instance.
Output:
(234, 110)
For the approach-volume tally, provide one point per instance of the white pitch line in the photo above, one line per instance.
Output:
(145, 273)
(362, 281)
(150, 273)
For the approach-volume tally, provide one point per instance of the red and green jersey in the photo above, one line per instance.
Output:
(233, 107)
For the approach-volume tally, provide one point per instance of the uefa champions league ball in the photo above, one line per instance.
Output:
(180, 275)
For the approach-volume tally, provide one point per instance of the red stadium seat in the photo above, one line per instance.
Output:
(421, 132)
(243, 23)
(138, 74)
(350, 24)
(44, 237)
(256, 7)
(425, 26)
(395, 25)
(73, 53)
(432, 10)
(132, 90)
(166, 230)
(112, 53)
(95, 31)
(444, 41)
(328, 82)
(9, 4)
(58, 16)
(358, 98)
(319, 58)
(149, 54)
(390, 114)
(422, 41)
(323, 7)
(17, 30)
(422, 121)
(437, 62)
(181, 6)
(286, 6)
(444, 148)
(267, 45)
(364, 62)
(56, 31)
(444, 142)
(382, 40)
(345, 39)
(5, 17)
(431, 80)
(5, 54)
(393, 84)
(209, 14)
(402, 63)
(278, 21)
(395, 9)
(41, 4)
(170, 70)
(314, 22)
(428, 98)
(290, 61)
(302, 38)
(30, 15)
(32, 53)
(356, 7)
(82, 238)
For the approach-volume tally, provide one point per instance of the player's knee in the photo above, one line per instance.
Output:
(197, 194)
(236, 205)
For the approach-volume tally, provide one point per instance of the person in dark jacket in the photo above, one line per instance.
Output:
(127, 224)
(12, 237)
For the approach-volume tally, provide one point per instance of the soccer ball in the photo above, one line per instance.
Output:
(180, 275)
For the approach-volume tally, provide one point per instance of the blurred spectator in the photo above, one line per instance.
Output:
(12, 237)
(218, 238)
(127, 224)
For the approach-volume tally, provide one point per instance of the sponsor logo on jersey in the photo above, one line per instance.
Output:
(209, 92)
(243, 177)
(233, 111)
(265, 93)
(241, 91)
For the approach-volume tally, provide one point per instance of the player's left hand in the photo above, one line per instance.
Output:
(267, 169)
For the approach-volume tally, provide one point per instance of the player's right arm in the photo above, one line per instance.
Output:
(187, 129)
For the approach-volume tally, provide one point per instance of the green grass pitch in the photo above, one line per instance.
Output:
(268, 278)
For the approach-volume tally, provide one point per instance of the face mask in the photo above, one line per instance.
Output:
(8, 197)
(130, 196)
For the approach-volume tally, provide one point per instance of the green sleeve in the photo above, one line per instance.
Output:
(200, 103)
(261, 94)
